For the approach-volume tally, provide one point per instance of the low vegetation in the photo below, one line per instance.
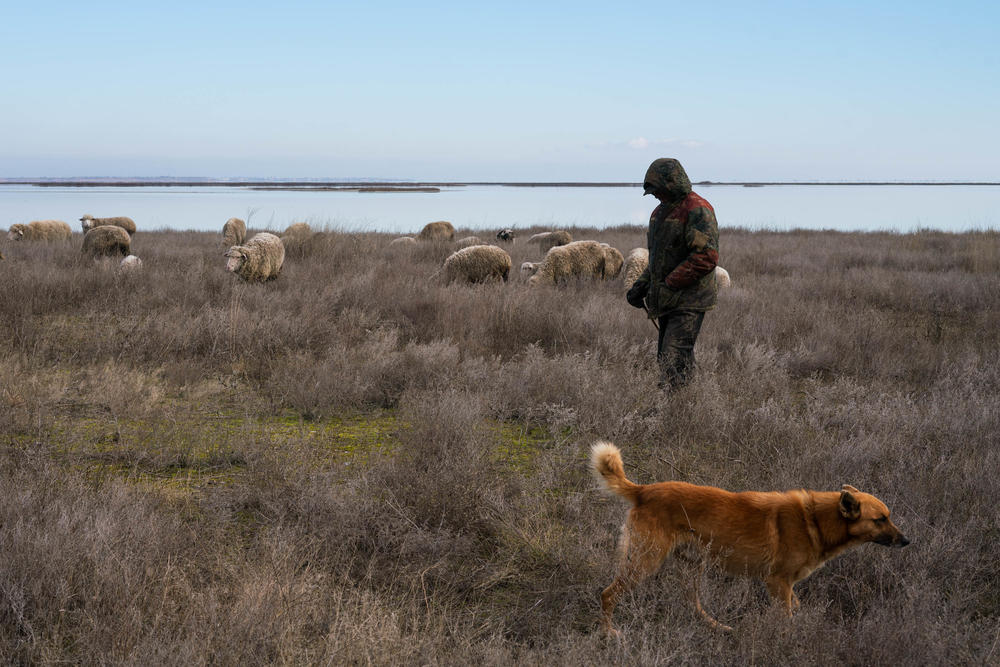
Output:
(355, 464)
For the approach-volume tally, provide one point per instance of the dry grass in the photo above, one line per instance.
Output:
(352, 464)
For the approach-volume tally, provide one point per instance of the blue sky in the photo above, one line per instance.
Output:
(512, 91)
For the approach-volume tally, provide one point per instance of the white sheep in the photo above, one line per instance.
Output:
(468, 241)
(234, 232)
(130, 264)
(40, 230)
(106, 241)
(403, 242)
(579, 259)
(546, 240)
(635, 264)
(722, 277)
(88, 222)
(441, 230)
(613, 261)
(258, 260)
(528, 269)
(477, 264)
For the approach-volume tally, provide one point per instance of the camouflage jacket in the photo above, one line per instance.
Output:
(683, 241)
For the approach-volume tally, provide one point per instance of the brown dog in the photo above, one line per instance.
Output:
(780, 537)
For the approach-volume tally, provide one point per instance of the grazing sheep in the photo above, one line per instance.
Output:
(298, 239)
(580, 259)
(41, 230)
(130, 264)
(89, 222)
(258, 260)
(437, 231)
(403, 241)
(506, 235)
(468, 241)
(635, 264)
(528, 269)
(613, 261)
(106, 241)
(234, 232)
(722, 277)
(477, 264)
(297, 232)
(546, 240)
(298, 229)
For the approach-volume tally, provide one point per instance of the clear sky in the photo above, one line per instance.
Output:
(511, 91)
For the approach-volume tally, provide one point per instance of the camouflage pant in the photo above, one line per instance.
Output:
(675, 348)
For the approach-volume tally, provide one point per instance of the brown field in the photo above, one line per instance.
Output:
(351, 465)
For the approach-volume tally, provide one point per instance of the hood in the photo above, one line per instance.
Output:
(667, 177)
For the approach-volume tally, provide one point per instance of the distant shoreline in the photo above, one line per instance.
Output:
(428, 186)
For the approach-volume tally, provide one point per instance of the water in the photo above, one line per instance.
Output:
(488, 208)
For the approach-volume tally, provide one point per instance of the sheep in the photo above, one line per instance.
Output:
(528, 269)
(298, 229)
(234, 232)
(106, 241)
(506, 235)
(258, 260)
(130, 264)
(403, 241)
(546, 240)
(298, 239)
(722, 277)
(468, 241)
(580, 259)
(638, 260)
(89, 222)
(40, 230)
(477, 264)
(635, 264)
(437, 231)
(613, 261)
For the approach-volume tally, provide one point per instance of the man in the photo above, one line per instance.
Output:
(679, 285)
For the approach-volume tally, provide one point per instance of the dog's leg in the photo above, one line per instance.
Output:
(695, 599)
(640, 558)
(780, 589)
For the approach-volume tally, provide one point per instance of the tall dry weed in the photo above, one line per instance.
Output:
(179, 485)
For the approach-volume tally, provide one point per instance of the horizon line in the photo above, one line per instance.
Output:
(199, 181)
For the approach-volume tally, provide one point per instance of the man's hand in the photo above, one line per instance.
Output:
(636, 294)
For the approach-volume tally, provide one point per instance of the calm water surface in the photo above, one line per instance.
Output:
(483, 208)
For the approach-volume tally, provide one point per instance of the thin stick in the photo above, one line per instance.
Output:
(651, 319)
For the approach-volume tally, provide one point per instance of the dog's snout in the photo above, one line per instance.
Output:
(903, 541)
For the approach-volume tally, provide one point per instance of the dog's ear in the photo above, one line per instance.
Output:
(850, 506)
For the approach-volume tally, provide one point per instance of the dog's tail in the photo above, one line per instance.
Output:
(606, 460)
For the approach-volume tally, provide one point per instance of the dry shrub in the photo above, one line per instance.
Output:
(476, 533)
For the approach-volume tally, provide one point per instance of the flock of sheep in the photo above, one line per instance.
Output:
(258, 260)
(564, 259)
(262, 257)
(102, 237)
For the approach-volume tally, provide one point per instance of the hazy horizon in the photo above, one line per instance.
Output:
(319, 180)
